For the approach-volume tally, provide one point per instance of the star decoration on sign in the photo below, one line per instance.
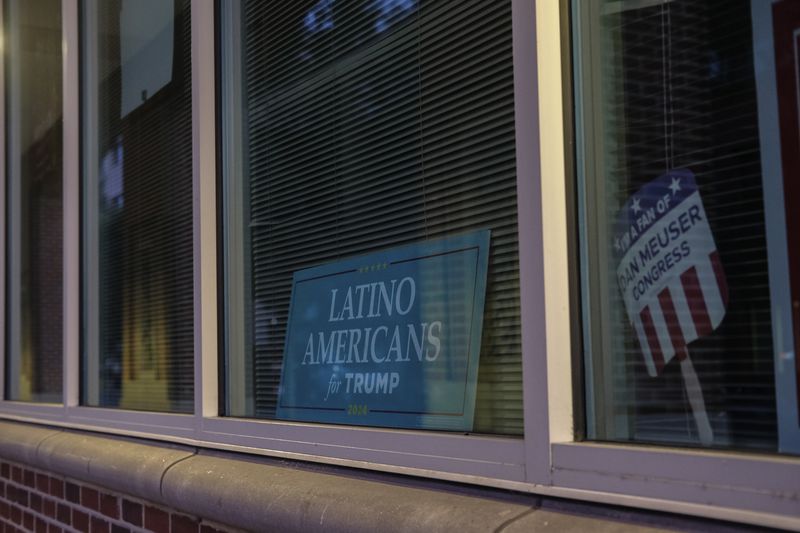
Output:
(675, 186)
(635, 206)
(617, 245)
(373, 268)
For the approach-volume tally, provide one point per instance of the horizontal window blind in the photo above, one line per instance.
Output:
(140, 233)
(33, 132)
(370, 125)
(680, 93)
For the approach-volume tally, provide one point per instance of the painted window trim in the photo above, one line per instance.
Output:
(744, 487)
(3, 230)
(749, 487)
(492, 459)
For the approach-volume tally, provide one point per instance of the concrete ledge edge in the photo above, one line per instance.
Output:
(263, 497)
(251, 493)
(265, 494)
(123, 464)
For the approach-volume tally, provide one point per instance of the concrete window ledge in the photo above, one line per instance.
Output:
(262, 494)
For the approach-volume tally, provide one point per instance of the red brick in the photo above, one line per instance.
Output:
(16, 515)
(42, 483)
(184, 524)
(49, 507)
(132, 512)
(52, 528)
(5, 470)
(99, 525)
(4, 509)
(156, 520)
(64, 514)
(36, 502)
(205, 528)
(56, 487)
(30, 478)
(21, 497)
(16, 474)
(90, 498)
(119, 529)
(72, 492)
(2, 489)
(41, 525)
(80, 520)
(109, 505)
(27, 521)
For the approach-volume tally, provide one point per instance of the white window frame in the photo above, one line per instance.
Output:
(727, 485)
(70, 413)
(751, 488)
(3, 239)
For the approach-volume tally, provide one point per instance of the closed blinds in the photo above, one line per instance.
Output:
(375, 124)
(138, 208)
(33, 133)
(679, 92)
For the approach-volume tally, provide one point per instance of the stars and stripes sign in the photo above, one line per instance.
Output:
(668, 268)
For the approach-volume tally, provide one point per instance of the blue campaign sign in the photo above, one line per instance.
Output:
(388, 339)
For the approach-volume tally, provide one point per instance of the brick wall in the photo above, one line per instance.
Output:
(44, 206)
(34, 500)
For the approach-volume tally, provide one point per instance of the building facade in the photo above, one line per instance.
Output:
(399, 264)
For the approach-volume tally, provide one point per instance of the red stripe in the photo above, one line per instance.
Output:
(682, 353)
(720, 275)
(697, 304)
(671, 318)
(652, 339)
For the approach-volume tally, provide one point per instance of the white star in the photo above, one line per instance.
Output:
(617, 246)
(635, 206)
(676, 186)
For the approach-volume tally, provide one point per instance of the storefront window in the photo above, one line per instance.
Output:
(34, 309)
(137, 205)
(371, 261)
(687, 150)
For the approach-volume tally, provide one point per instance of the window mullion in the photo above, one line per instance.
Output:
(13, 219)
(532, 302)
(205, 208)
(71, 176)
(3, 244)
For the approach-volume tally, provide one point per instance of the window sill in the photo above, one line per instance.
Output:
(759, 489)
(254, 493)
(257, 493)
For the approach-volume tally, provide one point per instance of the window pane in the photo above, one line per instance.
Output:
(34, 152)
(137, 216)
(685, 214)
(358, 134)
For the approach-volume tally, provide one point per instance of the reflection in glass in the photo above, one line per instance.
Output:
(676, 279)
(390, 11)
(347, 133)
(137, 218)
(34, 205)
(320, 17)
